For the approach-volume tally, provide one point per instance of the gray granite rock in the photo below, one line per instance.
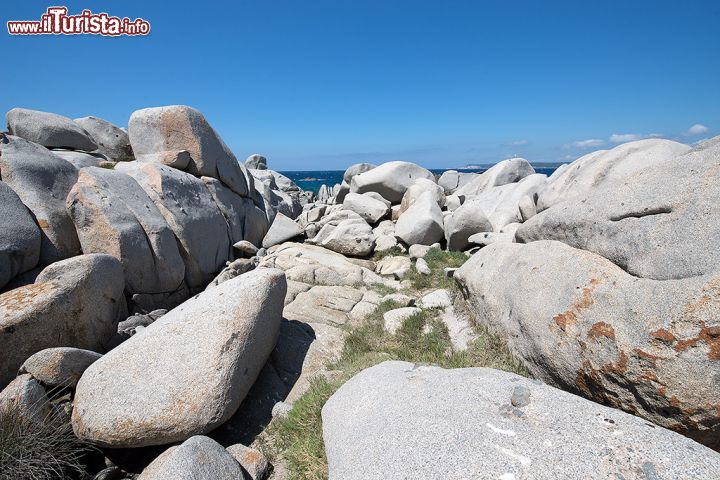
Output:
(281, 230)
(177, 127)
(114, 215)
(73, 303)
(256, 162)
(465, 222)
(508, 171)
(421, 223)
(581, 323)
(643, 222)
(48, 129)
(369, 208)
(42, 181)
(187, 372)
(59, 366)
(19, 236)
(191, 213)
(112, 141)
(197, 458)
(400, 420)
(390, 180)
(25, 396)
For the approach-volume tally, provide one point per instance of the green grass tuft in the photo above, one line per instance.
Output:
(390, 252)
(437, 260)
(422, 338)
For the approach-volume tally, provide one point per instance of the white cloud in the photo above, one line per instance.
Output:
(631, 137)
(591, 142)
(520, 142)
(697, 129)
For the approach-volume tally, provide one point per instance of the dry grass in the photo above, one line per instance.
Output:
(38, 450)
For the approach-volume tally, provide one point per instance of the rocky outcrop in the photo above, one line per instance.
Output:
(390, 180)
(318, 266)
(187, 372)
(369, 208)
(179, 128)
(114, 215)
(502, 173)
(75, 302)
(422, 222)
(42, 181)
(642, 345)
(607, 166)
(386, 421)
(191, 213)
(644, 222)
(350, 235)
(464, 222)
(281, 230)
(48, 129)
(256, 162)
(111, 141)
(19, 236)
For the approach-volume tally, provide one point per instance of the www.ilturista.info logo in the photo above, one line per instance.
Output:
(57, 22)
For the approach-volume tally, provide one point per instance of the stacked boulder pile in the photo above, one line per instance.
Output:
(170, 300)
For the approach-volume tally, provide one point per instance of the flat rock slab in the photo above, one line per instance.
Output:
(332, 305)
(400, 420)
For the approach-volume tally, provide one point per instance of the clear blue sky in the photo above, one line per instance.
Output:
(323, 84)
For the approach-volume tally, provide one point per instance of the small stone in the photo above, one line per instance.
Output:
(449, 272)
(281, 410)
(394, 319)
(422, 267)
(245, 248)
(251, 460)
(399, 298)
(520, 397)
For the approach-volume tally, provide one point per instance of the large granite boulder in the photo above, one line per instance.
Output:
(349, 237)
(464, 222)
(197, 458)
(401, 420)
(256, 162)
(603, 166)
(422, 222)
(112, 141)
(281, 230)
(232, 206)
(187, 372)
(508, 171)
(421, 186)
(42, 181)
(73, 303)
(48, 129)
(369, 208)
(114, 215)
(356, 169)
(19, 236)
(191, 213)
(390, 180)
(583, 324)
(81, 159)
(176, 128)
(451, 180)
(501, 204)
(657, 221)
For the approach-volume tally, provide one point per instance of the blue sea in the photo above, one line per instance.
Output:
(312, 179)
